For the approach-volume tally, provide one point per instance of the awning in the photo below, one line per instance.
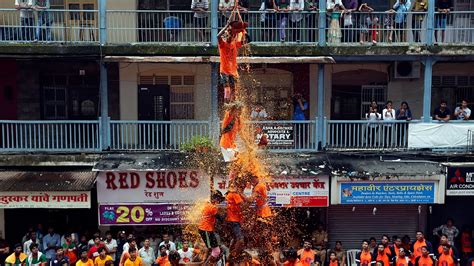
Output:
(215, 59)
(66, 189)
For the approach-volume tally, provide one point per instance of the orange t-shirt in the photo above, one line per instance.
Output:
(388, 251)
(365, 258)
(228, 138)
(440, 250)
(425, 261)
(263, 210)
(446, 260)
(228, 54)
(402, 261)
(397, 250)
(163, 261)
(307, 257)
(417, 248)
(208, 219)
(333, 263)
(234, 212)
(383, 257)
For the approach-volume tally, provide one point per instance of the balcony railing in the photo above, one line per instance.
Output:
(63, 26)
(63, 136)
(280, 136)
(265, 27)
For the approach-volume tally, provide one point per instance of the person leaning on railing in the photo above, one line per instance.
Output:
(42, 6)
(417, 20)
(442, 113)
(26, 19)
(401, 7)
(462, 112)
(443, 7)
(348, 32)
(296, 18)
(200, 8)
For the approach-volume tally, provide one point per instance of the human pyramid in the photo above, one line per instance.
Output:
(245, 169)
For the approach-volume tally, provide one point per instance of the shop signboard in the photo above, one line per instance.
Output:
(387, 192)
(277, 135)
(39, 199)
(290, 191)
(143, 214)
(160, 186)
(460, 181)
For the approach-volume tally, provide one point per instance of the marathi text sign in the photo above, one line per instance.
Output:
(143, 214)
(387, 193)
(276, 135)
(460, 181)
(290, 191)
(165, 186)
(34, 199)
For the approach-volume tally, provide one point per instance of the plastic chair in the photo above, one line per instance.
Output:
(351, 257)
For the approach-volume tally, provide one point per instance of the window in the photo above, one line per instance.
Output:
(55, 98)
(181, 95)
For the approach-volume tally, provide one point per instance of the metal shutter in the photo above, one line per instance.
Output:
(351, 227)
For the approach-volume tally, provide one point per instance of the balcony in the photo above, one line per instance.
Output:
(283, 136)
(123, 27)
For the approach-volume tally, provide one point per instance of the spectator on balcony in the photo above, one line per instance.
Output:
(389, 114)
(200, 8)
(244, 8)
(442, 113)
(44, 18)
(401, 7)
(300, 105)
(283, 6)
(311, 6)
(348, 32)
(462, 112)
(267, 18)
(336, 8)
(296, 7)
(443, 7)
(419, 7)
(366, 22)
(225, 8)
(26, 19)
(404, 113)
(373, 114)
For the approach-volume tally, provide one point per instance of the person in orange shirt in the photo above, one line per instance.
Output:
(134, 259)
(235, 200)
(466, 243)
(364, 257)
(307, 254)
(292, 258)
(231, 126)
(264, 218)
(419, 243)
(444, 241)
(84, 260)
(228, 52)
(163, 260)
(102, 258)
(402, 259)
(382, 255)
(333, 260)
(425, 259)
(446, 258)
(207, 223)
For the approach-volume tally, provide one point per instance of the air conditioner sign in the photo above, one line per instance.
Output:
(460, 181)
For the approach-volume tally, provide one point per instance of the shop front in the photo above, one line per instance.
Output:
(61, 199)
(373, 206)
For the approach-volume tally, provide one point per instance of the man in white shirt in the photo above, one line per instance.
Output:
(27, 244)
(147, 253)
(200, 8)
(296, 6)
(170, 246)
(110, 245)
(186, 253)
(26, 19)
(462, 112)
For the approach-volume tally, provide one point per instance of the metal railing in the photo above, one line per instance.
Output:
(64, 26)
(367, 134)
(31, 136)
(470, 140)
(285, 135)
(137, 26)
(154, 135)
(454, 27)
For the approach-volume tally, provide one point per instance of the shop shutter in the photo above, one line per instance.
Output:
(351, 227)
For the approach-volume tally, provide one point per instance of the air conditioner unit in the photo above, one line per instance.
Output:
(407, 70)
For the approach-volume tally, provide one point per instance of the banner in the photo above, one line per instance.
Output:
(276, 135)
(167, 186)
(387, 193)
(290, 191)
(143, 214)
(36, 199)
(438, 135)
(460, 181)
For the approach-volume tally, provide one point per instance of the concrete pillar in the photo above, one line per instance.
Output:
(214, 119)
(214, 21)
(428, 76)
(321, 121)
(322, 23)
